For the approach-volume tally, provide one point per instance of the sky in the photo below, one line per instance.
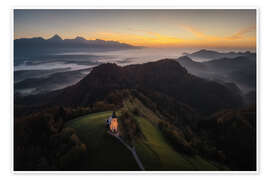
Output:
(149, 28)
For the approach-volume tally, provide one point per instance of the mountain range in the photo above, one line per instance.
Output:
(240, 70)
(56, 42)
(205, 54)
(165, 76)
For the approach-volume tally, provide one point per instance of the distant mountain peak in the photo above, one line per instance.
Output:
(206, 50)
(56, 37)
(203, 50)
(101, 40)
(80, 38)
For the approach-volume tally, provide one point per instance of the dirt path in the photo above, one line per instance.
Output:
(132, 149)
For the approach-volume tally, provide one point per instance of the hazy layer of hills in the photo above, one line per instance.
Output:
(240, 70)
(46, 80)
(205, 54)
(238, 73)
(164, 76)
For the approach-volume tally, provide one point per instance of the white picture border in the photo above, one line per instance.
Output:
(134, 8)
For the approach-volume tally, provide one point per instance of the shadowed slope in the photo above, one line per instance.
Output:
(164, 76)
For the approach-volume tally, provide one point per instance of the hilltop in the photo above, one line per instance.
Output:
(165, 76)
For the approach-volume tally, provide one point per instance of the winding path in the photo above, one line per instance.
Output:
(132, 149)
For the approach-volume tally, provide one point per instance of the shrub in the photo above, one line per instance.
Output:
(130, 129)
(40, 140)
(135, 111)
(176, 139)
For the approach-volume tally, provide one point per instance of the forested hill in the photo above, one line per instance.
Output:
(165, 76)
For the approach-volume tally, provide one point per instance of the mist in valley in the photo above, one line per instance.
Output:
(41, 73)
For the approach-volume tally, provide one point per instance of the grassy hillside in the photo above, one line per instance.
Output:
(155, 152)
(104, 151)
(153, 149)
